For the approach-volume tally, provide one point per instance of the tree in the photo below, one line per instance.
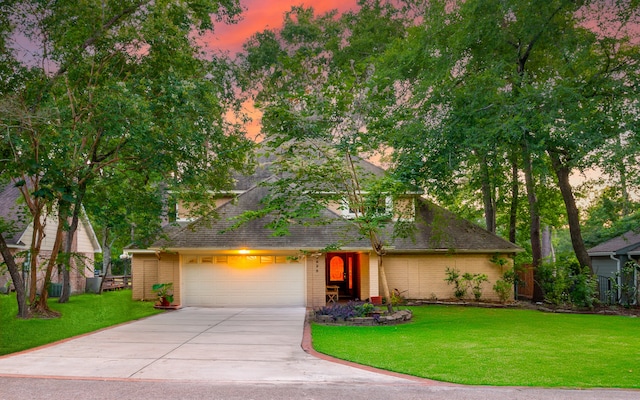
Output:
(494, 86)
(310, 80)
(117, 85)
(124, 217)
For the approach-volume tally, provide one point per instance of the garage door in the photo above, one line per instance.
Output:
(242, 281)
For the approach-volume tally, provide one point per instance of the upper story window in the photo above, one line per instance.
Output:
(400, 209)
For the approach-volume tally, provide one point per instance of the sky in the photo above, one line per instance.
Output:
(265, 14)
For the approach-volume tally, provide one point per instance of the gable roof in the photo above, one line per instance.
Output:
(13, 213)
(627, 243)
(437, 230)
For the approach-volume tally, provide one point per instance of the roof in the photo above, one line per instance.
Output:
(437, 230)
(623, 244)
(13, 213)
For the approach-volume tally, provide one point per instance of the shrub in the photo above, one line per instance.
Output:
(396, 298)
(565, 282)
(503, 287)
(463, 282)
(454, 278)
(476, 284)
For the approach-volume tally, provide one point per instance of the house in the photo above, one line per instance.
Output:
(608, 260)
(13, 212)
(212, 265)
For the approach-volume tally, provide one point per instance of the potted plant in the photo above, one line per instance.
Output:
(164, 292)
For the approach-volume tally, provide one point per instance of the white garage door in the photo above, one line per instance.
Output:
(242, 281)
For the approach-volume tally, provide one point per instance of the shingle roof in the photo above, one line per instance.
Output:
(622, 244)
(436, 230)
(12, 213)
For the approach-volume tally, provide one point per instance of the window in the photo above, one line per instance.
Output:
(374, 205)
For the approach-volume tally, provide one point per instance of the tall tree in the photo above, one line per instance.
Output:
(311, 81)
(498, 78)
(112, 84)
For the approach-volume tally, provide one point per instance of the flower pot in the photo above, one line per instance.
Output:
(376, 300)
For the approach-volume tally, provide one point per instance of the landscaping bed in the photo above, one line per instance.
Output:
(632, 311)
(359, 314)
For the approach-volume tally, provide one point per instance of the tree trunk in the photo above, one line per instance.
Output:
(385, 284)
(488, 198)
(547, 246)
(573, 215)
(106, 245)
(34, 252)
(16, 277)
(41, 307)
(515, 188)
(536, 245)
(71, 234)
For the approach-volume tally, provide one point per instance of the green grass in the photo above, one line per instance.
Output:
(83, 313)
(503, 347)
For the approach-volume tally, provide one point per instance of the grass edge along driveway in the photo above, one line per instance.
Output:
(501, 347)
(82, 314)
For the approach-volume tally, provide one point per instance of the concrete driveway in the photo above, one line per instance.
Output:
(194, 344)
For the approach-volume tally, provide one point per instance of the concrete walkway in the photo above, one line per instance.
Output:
(194, 344)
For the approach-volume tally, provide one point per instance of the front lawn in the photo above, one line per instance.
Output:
(83, 313)
(504, 347)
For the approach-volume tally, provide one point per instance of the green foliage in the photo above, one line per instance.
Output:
(566, 283)
(454, 278)
(397, 299)
(476, 282)
(627, 283)
(119, 99)
(504, 289)
(610, 215)
(164, 291)
(480, 86)
(463, 282)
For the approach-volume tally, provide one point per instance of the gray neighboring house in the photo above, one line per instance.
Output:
(609, 258)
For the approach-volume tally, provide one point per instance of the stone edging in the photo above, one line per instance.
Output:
(397, 317)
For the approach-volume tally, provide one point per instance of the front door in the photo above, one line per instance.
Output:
(342, 271)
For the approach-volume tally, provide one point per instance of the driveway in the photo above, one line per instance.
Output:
(194, 344)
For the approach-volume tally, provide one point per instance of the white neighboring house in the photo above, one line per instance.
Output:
(85, 243)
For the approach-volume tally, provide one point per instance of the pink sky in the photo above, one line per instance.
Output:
(266, 14)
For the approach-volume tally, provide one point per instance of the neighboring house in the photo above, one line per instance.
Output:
(608, 260)
(211, 265)
(13, 210)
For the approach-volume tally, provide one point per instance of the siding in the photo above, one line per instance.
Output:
(422, 276)
(50, 232)
(316, 286)
(605, 266)
(83, 239)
